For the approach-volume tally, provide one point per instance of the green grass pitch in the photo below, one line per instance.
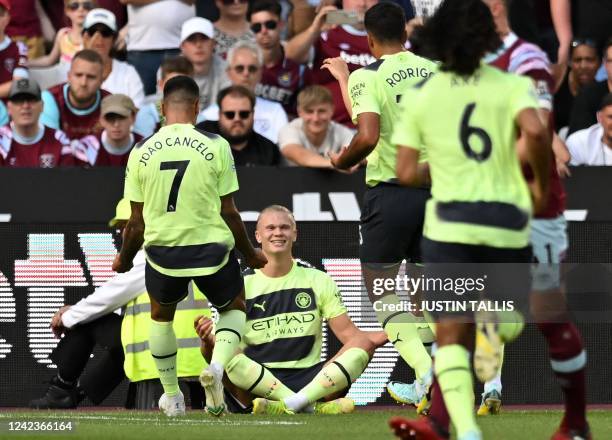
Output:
(363, 424)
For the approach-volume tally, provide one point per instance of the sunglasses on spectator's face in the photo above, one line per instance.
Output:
(231, 2)
(251, 68)
(242, 114)
(105, 31)
(88, 6)
(268, 24)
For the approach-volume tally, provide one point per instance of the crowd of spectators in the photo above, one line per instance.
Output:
(81, 80)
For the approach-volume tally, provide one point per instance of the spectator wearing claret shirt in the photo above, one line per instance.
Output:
(307, 140)
(245, 62)
(348, 42)
(13, 55)
(112, 147)
(25, 25)
(26, 142)
(74, 106)
(281, 78)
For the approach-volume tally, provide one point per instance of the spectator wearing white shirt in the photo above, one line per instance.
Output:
(245, 62)
(99, 34)
(307, 140)
(593, 145)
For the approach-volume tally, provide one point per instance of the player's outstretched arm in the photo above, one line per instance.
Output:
(363, 143)
(254, 257)
(133, 237)
(537, 151)
(345, 330)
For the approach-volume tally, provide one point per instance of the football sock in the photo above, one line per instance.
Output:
(496, 383)
(335, 376)
(253, 377)
(455, 380)
(437, 411)
(162, 343)
(228, 333)
(568, 361)
(402, 331)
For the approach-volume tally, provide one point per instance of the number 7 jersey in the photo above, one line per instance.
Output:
(467, 126)
(180, 174)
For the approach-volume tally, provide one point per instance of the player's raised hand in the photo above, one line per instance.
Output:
(121, 266)
(337, 67)
(319, 20)
(257, 260)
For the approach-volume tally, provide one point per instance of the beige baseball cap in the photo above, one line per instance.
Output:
(119, 104)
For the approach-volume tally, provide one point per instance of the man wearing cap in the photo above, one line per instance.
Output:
(13, 55)
(26, 142)
(74, 106)
(198, 46)
(100, 34)
(112, 147)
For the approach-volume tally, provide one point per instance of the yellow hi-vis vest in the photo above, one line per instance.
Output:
(139, 364)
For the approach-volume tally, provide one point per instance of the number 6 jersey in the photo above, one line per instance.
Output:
(180, 174)
(467, 127)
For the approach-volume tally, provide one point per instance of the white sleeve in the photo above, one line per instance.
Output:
(280, 120)
(135, 87)
(116, 292)
(210, 113)
(346, 136)
(289, 135)
(576, 147)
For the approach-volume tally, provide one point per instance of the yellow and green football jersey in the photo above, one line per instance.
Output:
(180, 174)
(378, 88)
(285, 316)
(467, 127)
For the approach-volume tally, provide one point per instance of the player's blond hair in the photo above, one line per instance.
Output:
(314, 95)
(277, 208)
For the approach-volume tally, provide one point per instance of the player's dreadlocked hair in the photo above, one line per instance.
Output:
(459, 34)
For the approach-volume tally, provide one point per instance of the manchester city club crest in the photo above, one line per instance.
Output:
(303, 300)
(284, 79)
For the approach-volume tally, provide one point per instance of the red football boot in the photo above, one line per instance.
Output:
(416, 429)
